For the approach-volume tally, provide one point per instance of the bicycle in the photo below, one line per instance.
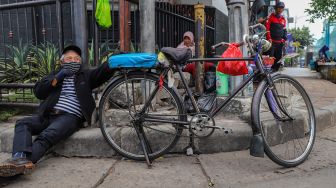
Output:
(140, 107)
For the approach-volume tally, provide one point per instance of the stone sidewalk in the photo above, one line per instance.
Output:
(220, 170)
(89, 142)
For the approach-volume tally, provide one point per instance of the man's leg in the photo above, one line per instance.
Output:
(24, 129)
(277, 53)
(60, 128)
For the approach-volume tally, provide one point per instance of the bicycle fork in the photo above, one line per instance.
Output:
(276, 106)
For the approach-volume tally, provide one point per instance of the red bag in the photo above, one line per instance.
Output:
(233, 68)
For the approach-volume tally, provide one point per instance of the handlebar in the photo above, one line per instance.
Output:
(225, 43)
(247, 39)
(259, 25)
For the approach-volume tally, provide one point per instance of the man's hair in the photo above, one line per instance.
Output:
(62, 57)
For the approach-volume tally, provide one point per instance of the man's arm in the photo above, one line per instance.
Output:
(100, 75)
(43, 88)
(268, 27)
(285, 31)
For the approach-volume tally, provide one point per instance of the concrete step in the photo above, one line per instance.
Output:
(89, 142)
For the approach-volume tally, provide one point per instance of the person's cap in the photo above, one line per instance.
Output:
(280, 5)
(72, 48)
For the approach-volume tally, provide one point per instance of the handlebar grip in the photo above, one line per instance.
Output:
(216, 46)
(258, 25)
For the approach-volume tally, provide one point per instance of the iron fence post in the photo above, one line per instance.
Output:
(79, 25)
(147, 25)
(125, 29)
(199, 48)
(95, 36)
(59, 25)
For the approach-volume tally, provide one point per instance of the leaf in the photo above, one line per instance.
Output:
(322, 9)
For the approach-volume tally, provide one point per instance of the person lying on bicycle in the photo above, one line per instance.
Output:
(67, 102)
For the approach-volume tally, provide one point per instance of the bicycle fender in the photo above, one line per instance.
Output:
(137, 72)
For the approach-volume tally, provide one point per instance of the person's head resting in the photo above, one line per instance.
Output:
(279, 8)
(71, 54)
(188, 39)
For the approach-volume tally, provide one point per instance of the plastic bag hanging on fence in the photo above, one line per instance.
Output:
(103, 13)
(233, 68)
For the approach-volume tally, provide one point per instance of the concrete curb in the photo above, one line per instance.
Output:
(89, 142)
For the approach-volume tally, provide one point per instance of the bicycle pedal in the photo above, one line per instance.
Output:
(227, 131)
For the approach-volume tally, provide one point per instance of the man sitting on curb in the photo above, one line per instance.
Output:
(67, 103)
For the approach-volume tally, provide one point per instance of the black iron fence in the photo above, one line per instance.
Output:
(32, 34)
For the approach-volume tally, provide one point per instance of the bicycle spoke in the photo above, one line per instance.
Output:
(288, 141)
(122, 105)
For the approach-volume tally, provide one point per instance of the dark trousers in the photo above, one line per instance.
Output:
(49, 131)
(276, 51)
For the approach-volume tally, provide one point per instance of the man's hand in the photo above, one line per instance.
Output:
(261, 20)
(64, 72)
(286, 44)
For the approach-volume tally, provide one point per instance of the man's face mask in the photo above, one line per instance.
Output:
(72, 62)
(73, 66)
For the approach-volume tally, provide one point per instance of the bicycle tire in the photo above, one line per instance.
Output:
(277, 134)
(116, 143)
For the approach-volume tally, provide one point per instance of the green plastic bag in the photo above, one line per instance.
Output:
(103, 13)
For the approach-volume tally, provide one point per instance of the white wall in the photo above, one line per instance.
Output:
(218, 4)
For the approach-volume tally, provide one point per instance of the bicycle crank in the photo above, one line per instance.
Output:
(202, 125)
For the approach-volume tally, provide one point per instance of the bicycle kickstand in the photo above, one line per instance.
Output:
(191, 149)
(143, 145)
(144, 148)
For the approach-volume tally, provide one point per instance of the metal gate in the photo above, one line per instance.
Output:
(32, 34)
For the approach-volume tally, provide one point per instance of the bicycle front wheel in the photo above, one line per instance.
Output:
(288, 126)
(122, 101)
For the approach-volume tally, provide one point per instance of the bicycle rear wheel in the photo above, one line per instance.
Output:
(118, 108)
(288, 142)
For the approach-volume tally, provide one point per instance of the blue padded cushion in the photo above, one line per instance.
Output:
(133, 60)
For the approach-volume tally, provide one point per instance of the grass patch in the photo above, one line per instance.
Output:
(6, 113)
(25, 96)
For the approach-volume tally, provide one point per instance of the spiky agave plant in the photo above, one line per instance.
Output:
(14, 68)
(45, 60)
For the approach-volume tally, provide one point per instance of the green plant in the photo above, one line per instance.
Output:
(322, 9)
(45, 60)
(303, 36)
(104, 51)
(14, 68)
(7, 113)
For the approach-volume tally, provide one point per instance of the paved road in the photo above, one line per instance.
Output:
(232, 169)
(300, 72)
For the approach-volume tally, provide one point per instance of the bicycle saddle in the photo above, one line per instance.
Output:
(178, 55)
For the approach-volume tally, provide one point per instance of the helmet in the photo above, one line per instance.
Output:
(280, 5)
(266, 45)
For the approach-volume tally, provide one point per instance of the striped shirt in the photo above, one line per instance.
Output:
(68, 100)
